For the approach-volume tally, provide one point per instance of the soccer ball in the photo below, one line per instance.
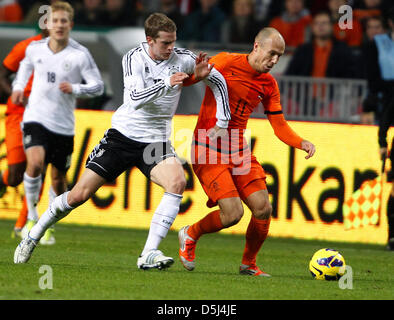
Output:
(327, 264)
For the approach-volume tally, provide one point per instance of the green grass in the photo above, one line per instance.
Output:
(100, 263)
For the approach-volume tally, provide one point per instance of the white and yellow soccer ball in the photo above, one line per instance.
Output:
(327, 264)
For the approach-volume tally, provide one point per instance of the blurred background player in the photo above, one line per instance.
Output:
(380, 73)
(16, 158)
(60, 64)
(153, 76)
(371, 110)
(293, 23)
(236, 176)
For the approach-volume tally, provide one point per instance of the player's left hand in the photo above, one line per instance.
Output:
(202, 68)
(308, 147)
(65, 87)
(217, 132)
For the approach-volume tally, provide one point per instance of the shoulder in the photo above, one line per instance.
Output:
(132, 55)
(184, 54)
(33, 44)
(379, 38)
(74, 45)
(340, 46)
(308, 46)
(24, 43)
(224, 56)
(133, 52)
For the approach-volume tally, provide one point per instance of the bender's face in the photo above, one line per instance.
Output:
(161, 47)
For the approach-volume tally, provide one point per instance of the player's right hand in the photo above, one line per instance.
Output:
(202, 68)
(177, 78)
(17, 97)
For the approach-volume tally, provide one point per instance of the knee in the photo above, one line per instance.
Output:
(176, 185)
(35, 168)
(15, 179)
(233, 216)
(263, 212)
(59, 184)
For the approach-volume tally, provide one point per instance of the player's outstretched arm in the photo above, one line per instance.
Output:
(22, 77)
(283, 131)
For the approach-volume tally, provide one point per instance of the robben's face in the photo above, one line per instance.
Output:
(59, 25)
(161, 47)
(267, 54)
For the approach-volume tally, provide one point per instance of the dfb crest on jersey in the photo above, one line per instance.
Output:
(173, 70)
(66, 65)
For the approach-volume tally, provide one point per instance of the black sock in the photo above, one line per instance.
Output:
(390, 216)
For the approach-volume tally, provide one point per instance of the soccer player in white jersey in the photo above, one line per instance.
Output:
(153, 76)
(60, 64)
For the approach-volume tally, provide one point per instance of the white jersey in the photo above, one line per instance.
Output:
(149, 101)
(47, 104)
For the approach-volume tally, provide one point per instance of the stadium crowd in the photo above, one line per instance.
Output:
(311, 28)
(200, 20)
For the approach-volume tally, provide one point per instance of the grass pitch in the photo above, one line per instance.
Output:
(100, 263)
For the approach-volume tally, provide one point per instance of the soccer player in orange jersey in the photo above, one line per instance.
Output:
(222, 161)
(16, 158)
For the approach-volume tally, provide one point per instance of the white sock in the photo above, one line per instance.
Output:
(56, 211)
(52, 196)
(162, 220)
(32, 193)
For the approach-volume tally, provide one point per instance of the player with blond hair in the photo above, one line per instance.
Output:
(60, 64)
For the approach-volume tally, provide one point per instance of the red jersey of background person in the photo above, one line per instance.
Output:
(11, 62)
(246, 89)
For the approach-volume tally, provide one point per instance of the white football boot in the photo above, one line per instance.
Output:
(24, 250)
(154, 259)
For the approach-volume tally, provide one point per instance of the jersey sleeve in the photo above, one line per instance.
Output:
(271, 98)
(94, 85)
(216, 82)
(273, 109)
(188, 59)
(134, 86)
(24, 72)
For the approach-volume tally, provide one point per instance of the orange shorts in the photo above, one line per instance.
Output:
(13, 138)
(221, 181)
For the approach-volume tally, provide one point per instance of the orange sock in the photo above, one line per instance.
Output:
(255, 235)
(209, 224)
(4, 176)
(22, 215)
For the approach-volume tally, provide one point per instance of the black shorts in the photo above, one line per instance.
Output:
(58, 147)
(116, 153)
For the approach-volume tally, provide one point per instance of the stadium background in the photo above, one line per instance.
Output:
(307, 195)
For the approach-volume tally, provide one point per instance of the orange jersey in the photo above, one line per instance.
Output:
(12, 61)
(247, 88)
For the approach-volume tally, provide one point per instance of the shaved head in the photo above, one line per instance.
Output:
(268, 47)
(269, 33)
